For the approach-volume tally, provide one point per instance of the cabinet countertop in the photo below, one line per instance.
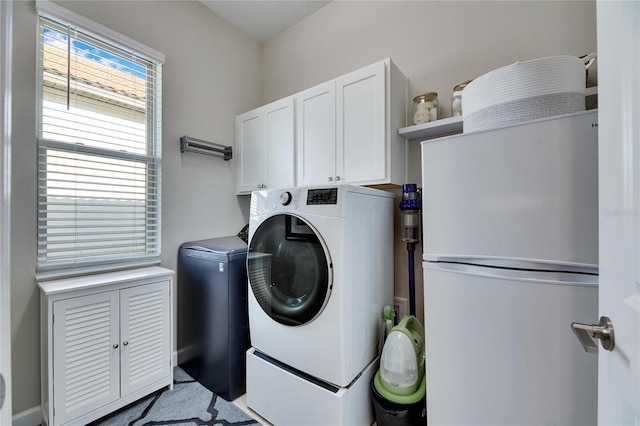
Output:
(95, 280)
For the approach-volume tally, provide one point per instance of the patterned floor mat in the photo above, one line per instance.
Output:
(189, 403)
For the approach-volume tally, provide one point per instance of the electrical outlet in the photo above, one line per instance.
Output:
(401, 306)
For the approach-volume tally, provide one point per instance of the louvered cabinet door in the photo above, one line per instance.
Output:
(86, 353)
(145, 334)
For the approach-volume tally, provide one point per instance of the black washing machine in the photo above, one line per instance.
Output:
(213, 325)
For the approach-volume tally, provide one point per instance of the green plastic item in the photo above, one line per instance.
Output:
(401, 376)
(401, 399)
(389, 314)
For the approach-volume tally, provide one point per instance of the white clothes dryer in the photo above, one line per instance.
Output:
(320, 269)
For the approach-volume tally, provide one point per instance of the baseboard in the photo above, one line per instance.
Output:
(30, 417)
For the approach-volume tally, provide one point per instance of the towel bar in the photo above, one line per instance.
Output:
(199, 146)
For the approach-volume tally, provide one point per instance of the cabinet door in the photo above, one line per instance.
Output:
(279, 129)
(145, 334)
(86, 353)
(316, 135)
(361, 140)
(250, 149)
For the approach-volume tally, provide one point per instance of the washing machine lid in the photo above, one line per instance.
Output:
(227, 246)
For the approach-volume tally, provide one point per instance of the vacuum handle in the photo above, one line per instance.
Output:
(410, 322)
(414, 330)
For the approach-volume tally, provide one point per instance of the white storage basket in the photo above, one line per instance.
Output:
(525, 91)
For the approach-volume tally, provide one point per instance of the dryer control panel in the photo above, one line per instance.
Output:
(268, 201)
(326, 200)
(292, 198)
(322, 196)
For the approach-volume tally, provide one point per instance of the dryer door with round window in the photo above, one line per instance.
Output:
(289, 269)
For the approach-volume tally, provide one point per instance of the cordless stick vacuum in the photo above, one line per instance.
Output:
(398, 389)
(410, 208)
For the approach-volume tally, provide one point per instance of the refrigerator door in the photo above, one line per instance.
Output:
(500, 349)
(528, 191)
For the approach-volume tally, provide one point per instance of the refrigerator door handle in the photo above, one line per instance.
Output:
(3, 390)
(603, 331)
(515, 274)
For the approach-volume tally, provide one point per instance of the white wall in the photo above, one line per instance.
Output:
(437, 44)
(212, 72)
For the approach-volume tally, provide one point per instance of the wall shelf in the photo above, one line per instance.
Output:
(433, 129)
(453, 125)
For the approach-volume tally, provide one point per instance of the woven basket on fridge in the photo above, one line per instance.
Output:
(525, 91)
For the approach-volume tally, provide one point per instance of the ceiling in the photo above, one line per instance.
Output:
(263, 19)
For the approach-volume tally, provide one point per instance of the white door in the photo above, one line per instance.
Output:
(619, 223)
(360, 128)
(484, 367)
(265, 147)
(5, 137)
(86, 351)
(250, 151)
(144, 334)
(280, 158)
(316, 135)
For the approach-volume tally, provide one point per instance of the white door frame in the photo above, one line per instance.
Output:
(6, 18)
(619, 192)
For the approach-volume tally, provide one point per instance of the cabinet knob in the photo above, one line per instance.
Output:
(330, 179)
(337, 178)
(125, 343)
(115, 346)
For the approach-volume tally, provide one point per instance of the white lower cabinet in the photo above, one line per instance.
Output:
(86, 367)
(106, 342)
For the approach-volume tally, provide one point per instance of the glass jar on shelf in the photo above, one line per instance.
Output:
(456, 100)
(425, 108)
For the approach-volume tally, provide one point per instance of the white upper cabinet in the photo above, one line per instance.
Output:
(249, 152)
(342, 131)
(265, 147)
(347, 129)
(360, 137)
(316, 134)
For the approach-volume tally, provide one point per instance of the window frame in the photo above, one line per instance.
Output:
(152, 158)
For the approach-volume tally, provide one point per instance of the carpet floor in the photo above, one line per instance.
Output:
(189, 403)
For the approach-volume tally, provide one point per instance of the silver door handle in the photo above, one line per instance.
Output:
(603, 331)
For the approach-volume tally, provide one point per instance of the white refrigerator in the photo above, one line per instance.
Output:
(510, 259)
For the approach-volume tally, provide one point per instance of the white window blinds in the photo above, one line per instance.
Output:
(98, 152)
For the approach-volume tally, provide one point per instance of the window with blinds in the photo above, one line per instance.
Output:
(98, 152)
